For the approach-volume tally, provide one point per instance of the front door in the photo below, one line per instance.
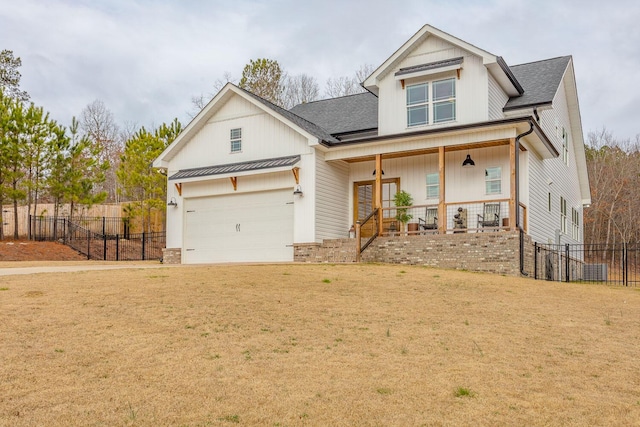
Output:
(364, 199)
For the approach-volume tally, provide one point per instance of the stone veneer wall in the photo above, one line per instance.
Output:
(529, 252)
(495, 252)
(334, 250)
(171, 256)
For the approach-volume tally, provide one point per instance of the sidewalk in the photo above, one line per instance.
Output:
(72, 268)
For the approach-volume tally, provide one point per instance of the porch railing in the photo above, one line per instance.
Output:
(461, 217)
(367, 231)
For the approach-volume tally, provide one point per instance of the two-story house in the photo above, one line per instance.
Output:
(481, 146)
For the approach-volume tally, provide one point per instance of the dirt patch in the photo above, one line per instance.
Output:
(26, 250)
(315, 345)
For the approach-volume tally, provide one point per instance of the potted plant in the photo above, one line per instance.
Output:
(402, 200)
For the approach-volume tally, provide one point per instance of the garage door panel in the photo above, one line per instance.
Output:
(255, 227)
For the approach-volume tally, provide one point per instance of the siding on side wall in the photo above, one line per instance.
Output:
(497, 99)
(544, 225)
(332, 199)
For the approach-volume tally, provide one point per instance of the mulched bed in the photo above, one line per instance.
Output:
(25, 250)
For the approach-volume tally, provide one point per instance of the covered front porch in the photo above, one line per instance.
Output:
(466, 188)
(462, 179)
(469, 188)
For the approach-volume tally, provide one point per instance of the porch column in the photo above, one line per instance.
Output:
(442, 209)
(378, 192)
(513, 211)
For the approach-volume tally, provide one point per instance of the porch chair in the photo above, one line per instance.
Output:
(430, 221)
(490, 216)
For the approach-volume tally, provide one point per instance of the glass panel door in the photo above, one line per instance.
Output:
(364, 201)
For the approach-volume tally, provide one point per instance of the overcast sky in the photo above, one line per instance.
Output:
(146, 59)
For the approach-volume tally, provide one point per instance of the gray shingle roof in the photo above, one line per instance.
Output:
(236, 167)
(540, 81)
(430, 66)
(342, 115)
(303, 122)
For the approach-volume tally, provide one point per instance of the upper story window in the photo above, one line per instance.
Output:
(433, 186)
(236, 140)
(575, 224)
(444, 100)
(431, 102)
(493, 180)
(565, 146)
(418, 104)
(563, 215)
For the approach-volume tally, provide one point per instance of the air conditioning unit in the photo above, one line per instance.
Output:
(594, 272)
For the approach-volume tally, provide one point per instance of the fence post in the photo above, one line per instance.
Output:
(625, 264)
(143, 244)
(104, 242)
(88, 245)
(30, 237)
(117, 247)
(104, 219)
(64, 231)
(535, 260)
(566, 262)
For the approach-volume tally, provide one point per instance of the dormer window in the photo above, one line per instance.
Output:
(418, 104)
(439, 97)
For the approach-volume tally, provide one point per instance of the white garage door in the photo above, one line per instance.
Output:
(252, 227)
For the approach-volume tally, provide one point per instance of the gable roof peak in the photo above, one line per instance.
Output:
(494, 64)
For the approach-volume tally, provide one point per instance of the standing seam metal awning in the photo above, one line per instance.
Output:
(430, 66)
(236, 167)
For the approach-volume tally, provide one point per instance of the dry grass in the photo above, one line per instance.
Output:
(287, 345)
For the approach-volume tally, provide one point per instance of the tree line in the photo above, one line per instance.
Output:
(614, 175)
(91, 161)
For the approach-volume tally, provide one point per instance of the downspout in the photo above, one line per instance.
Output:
(517, 201)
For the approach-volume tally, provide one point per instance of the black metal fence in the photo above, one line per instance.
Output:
(611, 264)
(41, 227)
(114, 243)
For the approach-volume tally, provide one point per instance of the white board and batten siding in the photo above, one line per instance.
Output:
(263, 137)
(471, 88)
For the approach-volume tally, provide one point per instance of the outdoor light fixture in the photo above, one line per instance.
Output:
(297, 191)
(468, 162)
(173, 202)
(374, 172)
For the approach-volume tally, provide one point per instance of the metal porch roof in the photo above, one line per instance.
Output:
(236, 167)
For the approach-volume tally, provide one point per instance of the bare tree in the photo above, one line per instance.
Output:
(614, 172)
(98, 125)
(299, 89)
(199, 101)
(345, 85)
(363, 72)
